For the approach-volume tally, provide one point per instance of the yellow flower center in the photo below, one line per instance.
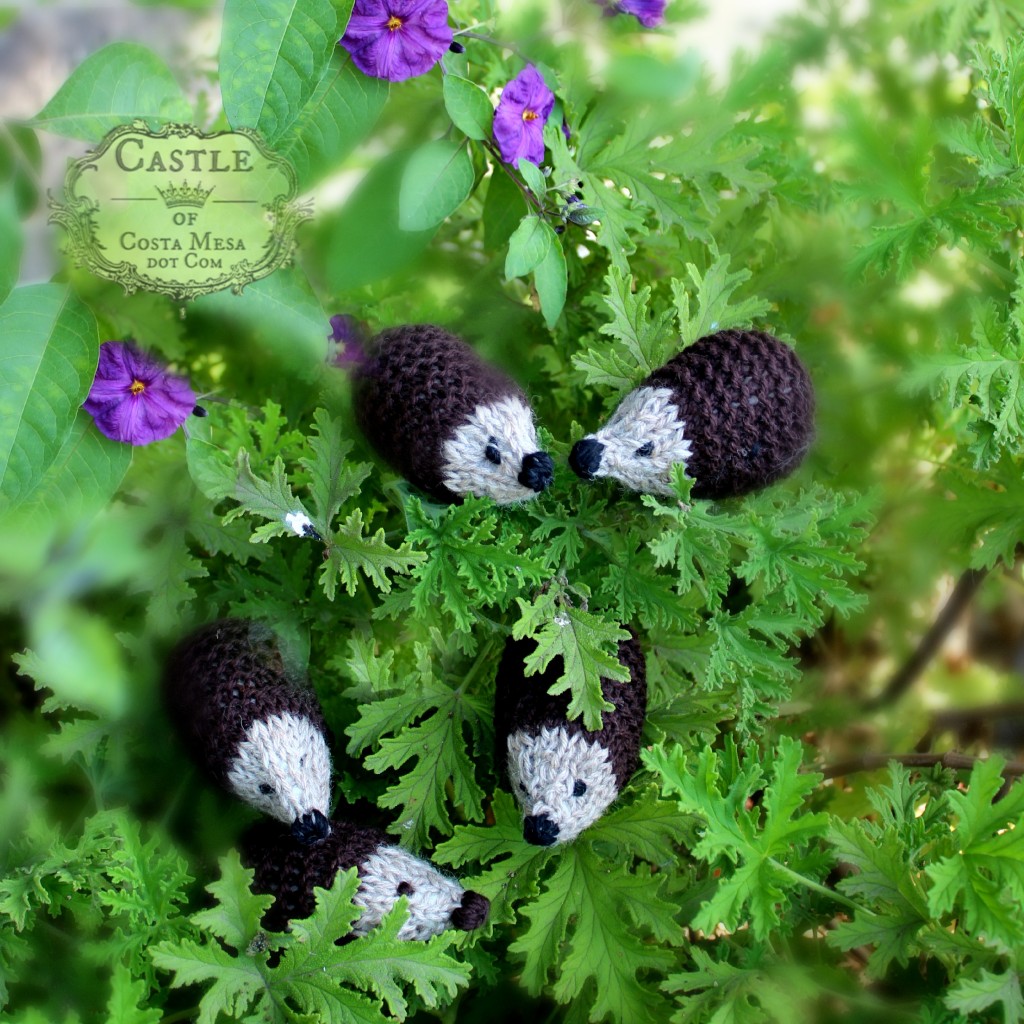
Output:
(530, 115)
(137, 387)
(394, 22)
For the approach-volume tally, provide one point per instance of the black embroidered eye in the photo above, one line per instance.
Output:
(645, 449)
(491, 453)
(266, 789)
(580, 788)
(522, 788)
(404, 889)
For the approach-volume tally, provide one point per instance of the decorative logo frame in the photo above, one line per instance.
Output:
(186, 244)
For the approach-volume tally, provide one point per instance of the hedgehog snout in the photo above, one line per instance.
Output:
(471, 912)
(585, 457)
(538, 471)
(540, 830)
(312, 827)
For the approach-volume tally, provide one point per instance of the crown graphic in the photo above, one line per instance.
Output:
(185, 195)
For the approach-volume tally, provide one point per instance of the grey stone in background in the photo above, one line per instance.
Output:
(40, 49)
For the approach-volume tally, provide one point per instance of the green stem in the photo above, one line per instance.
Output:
(822, 890)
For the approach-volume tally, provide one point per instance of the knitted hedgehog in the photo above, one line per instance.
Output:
(289, 870)
(736, 408)
(446, 420)
(564, 775)
(251, 729)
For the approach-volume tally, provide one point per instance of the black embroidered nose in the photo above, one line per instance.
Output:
(540, 830)
(471, 913)
(585, 457)
(538, 471)
(310, 828)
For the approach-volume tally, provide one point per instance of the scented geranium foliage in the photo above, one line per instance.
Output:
(826, 823)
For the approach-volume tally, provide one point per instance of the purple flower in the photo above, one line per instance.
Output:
(397, 39)
(346, 342)
(134, 399)
(522, 112)
(650, 13)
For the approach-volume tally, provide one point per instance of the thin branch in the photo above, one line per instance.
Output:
(869, 762)
(965, 589)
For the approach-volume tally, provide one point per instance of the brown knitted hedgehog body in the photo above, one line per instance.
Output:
(564, 775)
(737, 408)
(248, 725)
(289, 871)
(446, 420)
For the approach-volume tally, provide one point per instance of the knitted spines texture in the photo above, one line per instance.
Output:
(748, 405)
(289, 870)
(418, 384)
(522, 702)
(222, 678)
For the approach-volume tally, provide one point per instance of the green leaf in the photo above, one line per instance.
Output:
(985, 876)
(529, 245)
(972, 995)
(642, 342)
(551, 280)
(586, 903)
(713, 308)
(338, 116)
(588, 647)
(273, 55)
(534, 178)
(350, 551)
(718, 792)
(114, 86)
(504, 207)
(435, 749)
(125, 996)
(83, 476)
(237, 915)
(280, 313)
(437, 179)
(363, 242)
(271, 499)
(468, 107)
(471, 562)
(10, 231)
(50, 351)
(333, 480)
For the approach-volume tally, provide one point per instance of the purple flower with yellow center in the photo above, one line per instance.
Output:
(134, 399)
(397, 39)
(522, 112)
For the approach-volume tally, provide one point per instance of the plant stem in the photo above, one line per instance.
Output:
(966, 587)
(494, 42)
(822, 890)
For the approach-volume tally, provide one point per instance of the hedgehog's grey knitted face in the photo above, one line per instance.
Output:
(494, 454)
(638, 445)
(563, 782)
(282, 767)
(391, 872)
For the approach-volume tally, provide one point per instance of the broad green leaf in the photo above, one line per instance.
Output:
(551, 279)
(271, 499)
(529, 244)
(534, 178)
(50, 348)
(468, 107)
(114, 86)
(362, 243)
(281, 313)
(273, 55)
(338, 116)
(437, 179)
(238, 912)
(972, 995)
(10, 232)
(504, 207)
(83, 476)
